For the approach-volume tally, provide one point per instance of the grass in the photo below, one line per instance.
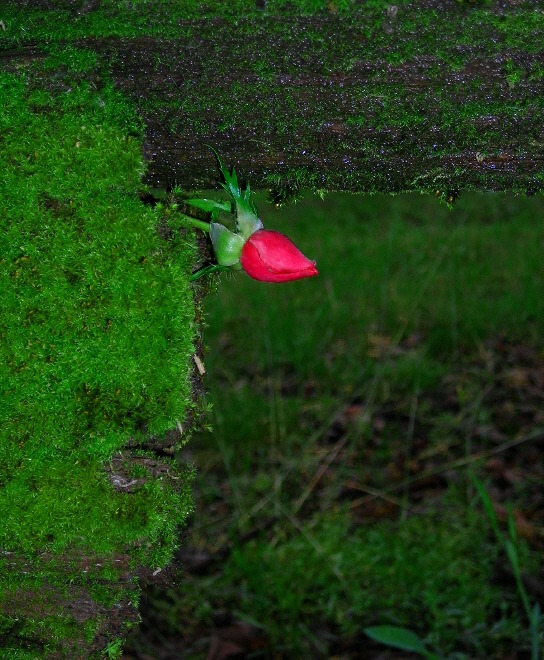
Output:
(323, 578)
(392, 268)
(308, 581)
(336, 400)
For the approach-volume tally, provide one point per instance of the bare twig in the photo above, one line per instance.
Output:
(537, 434)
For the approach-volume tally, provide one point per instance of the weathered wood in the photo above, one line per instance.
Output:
(414, 96)
(416, 125)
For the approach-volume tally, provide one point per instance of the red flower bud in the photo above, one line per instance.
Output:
(269, 256)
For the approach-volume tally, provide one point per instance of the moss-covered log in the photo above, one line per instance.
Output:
(97, 377)
(97, 322)
(343, 95)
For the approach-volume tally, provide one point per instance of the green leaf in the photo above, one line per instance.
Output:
(399, 638)
(231, 180)
(512, 531)
(210, 205)
(488, 506)
(536, 622)
(226, 244)
(232, 187)
(512, 554)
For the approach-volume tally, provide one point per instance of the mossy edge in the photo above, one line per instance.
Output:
(98, 331)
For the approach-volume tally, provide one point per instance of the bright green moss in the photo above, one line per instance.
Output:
(96, 314)
(96, 341)
(76, 60)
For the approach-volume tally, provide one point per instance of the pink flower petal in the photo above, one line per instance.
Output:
(269, 256)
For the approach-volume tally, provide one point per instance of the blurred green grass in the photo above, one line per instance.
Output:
(393, 269)
(389, 265)
(408, 293)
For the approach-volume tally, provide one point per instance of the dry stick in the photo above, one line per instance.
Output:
(320, 472)
(312, 440)
(317, 547)
(331, 456)
(378, 494)
(538, 434)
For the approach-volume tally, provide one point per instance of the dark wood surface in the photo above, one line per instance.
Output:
(420, 96)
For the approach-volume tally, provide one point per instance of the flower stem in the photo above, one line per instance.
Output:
(207, 270)
(199, 224)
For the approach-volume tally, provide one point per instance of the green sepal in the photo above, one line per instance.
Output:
(246, 219)
(246, 214)
(231, 185)
(210, 205)
(230, 179)
(226, 244)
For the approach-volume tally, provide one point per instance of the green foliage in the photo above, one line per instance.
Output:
(431, 573)
(400, 638)
(510, 545)
(390, 266)
(114, 649)
(285, 363)
(407, 640)
(96, 339)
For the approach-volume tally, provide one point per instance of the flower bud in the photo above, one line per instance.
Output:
(226, 244)
(269, 256)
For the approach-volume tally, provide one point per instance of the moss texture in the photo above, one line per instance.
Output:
(96, 341)
(361, 96)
